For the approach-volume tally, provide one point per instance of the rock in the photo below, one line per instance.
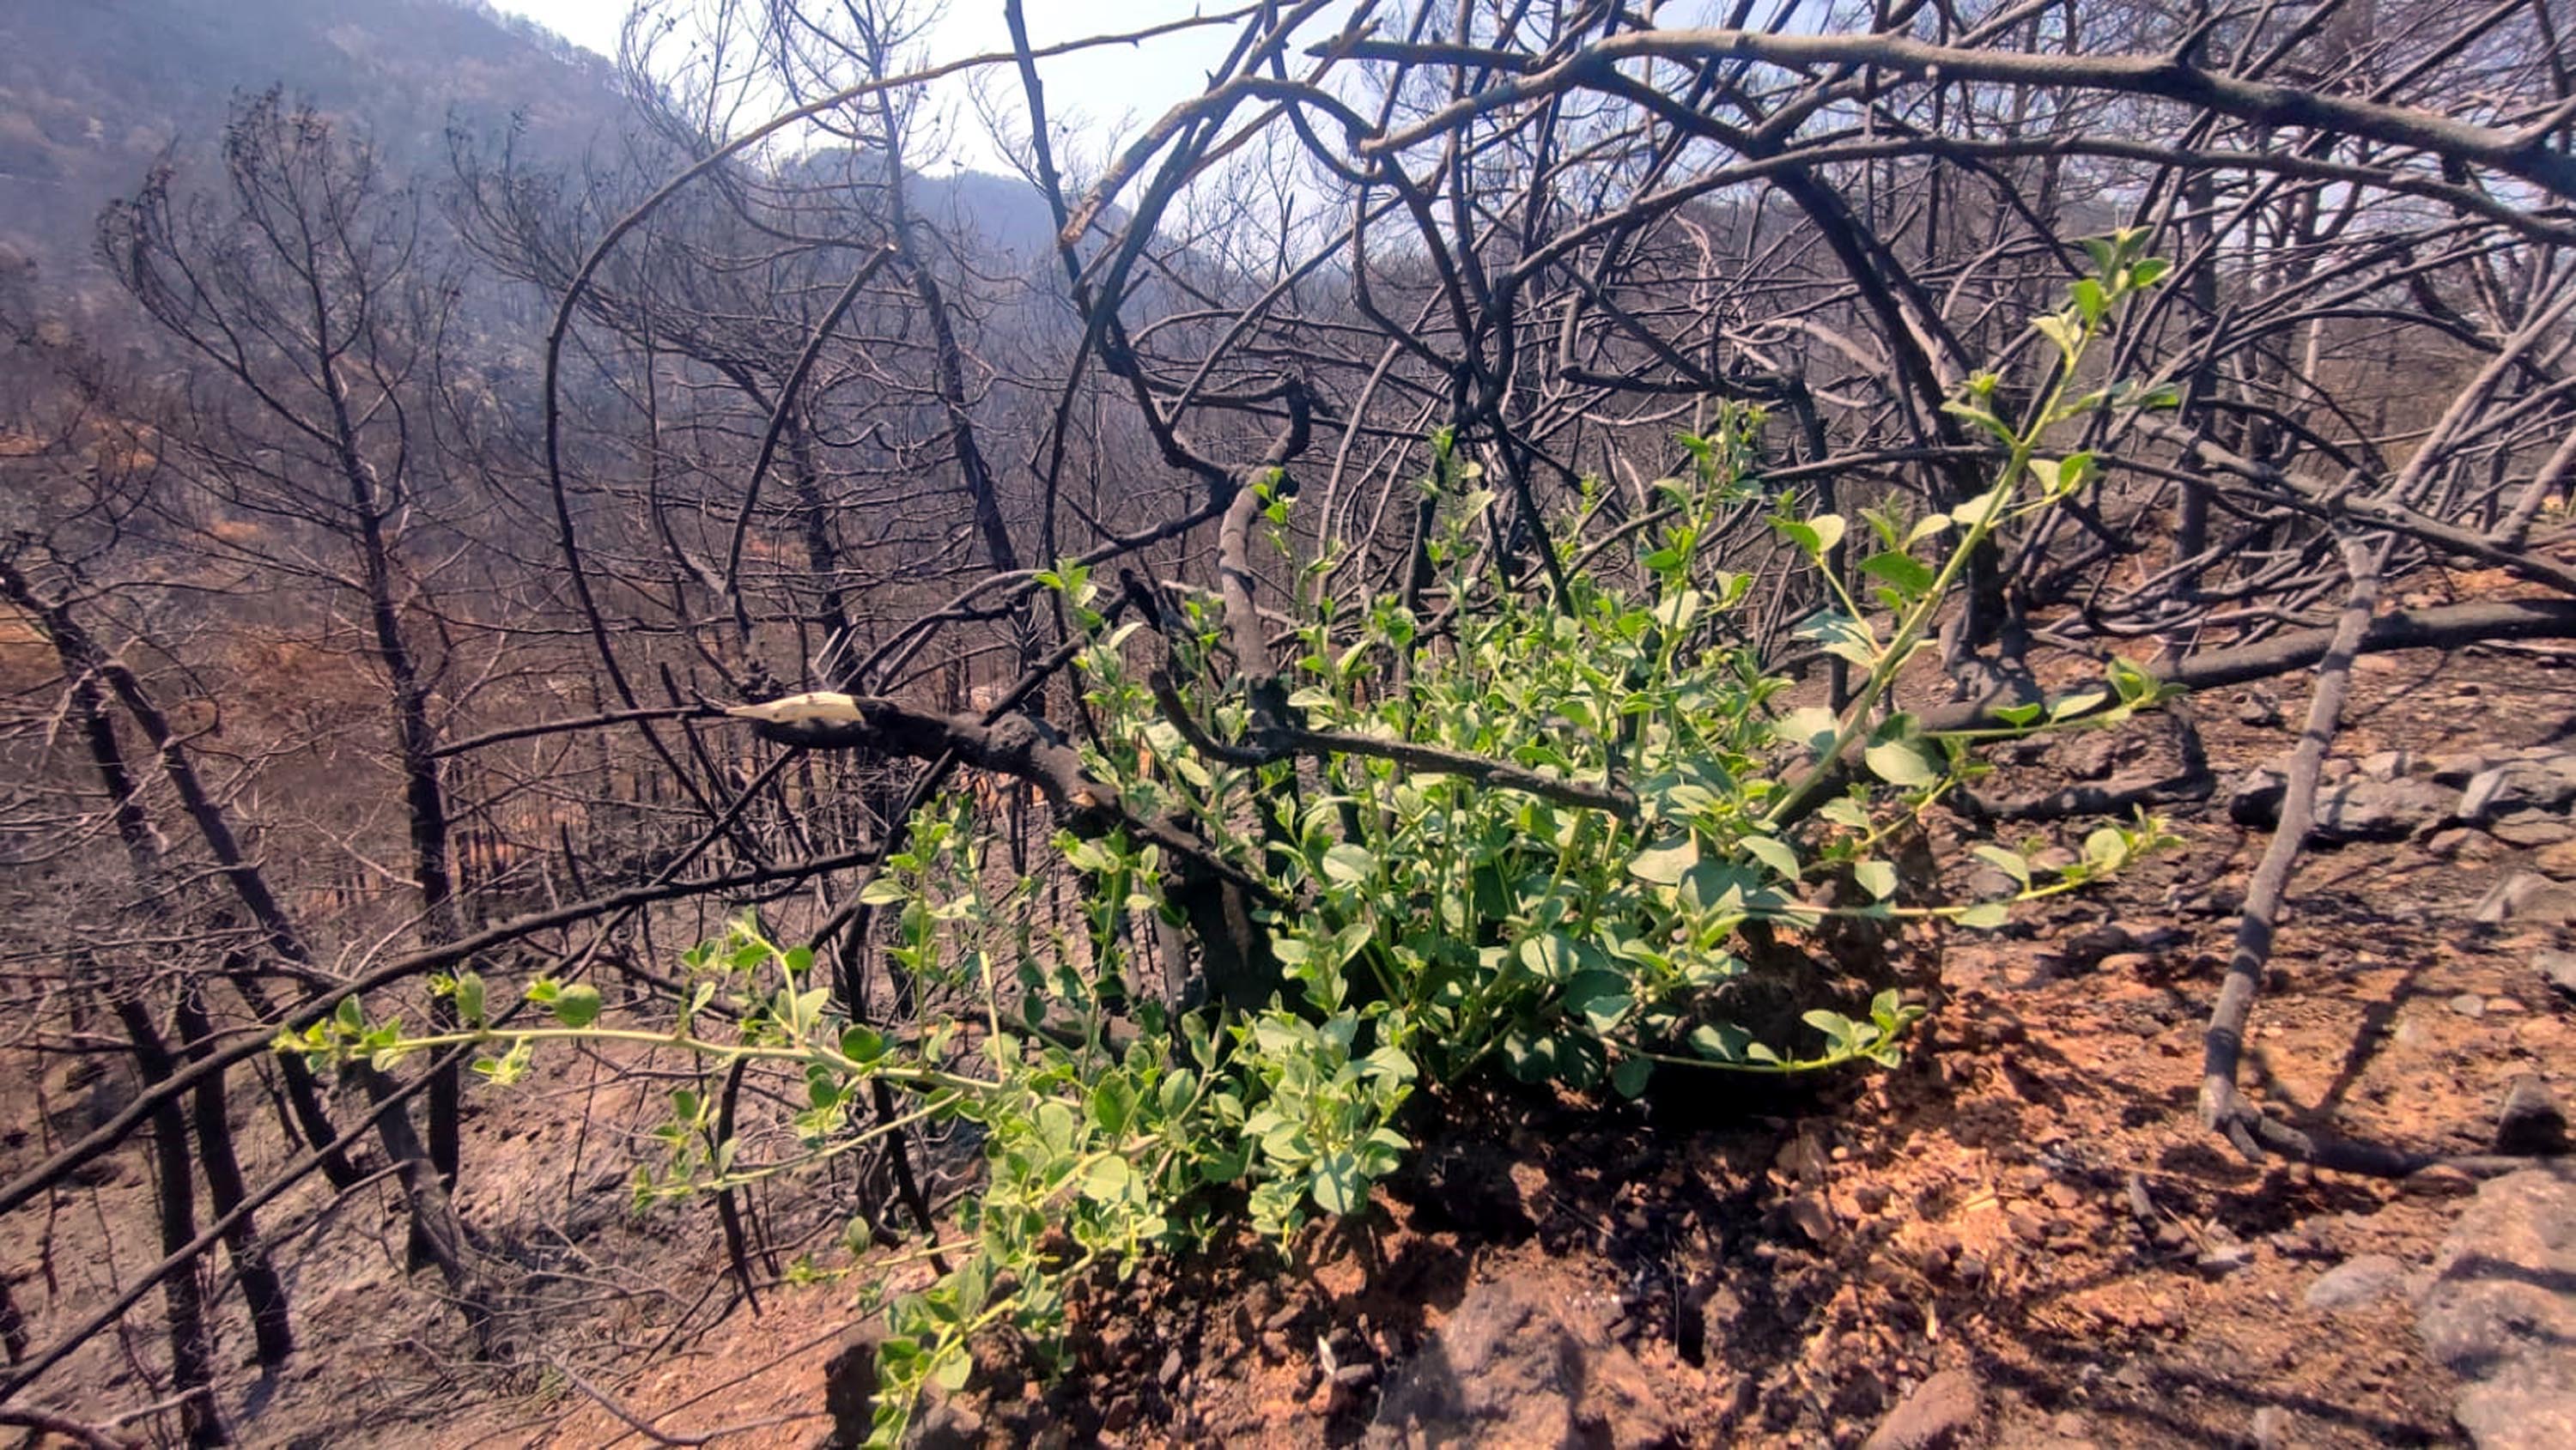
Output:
(2256, 800)
(2530, 1120)
(2353, 810)
(1936, 1414)
(2478, 797)
(850, 1387)
(2225, 1259)
(2558, 860)
(2387, 764)
(2469, 1004)
(2544, 784)
(2458, 768)
(2366, 810)
(2258, 708)
(1813, 1217)
(2093, 757)
(2501, 1311)
(2558, 969)
(2527, 897)
(1505, 1369)
(941, 1424)
(2271, 1429)
(2356, 1283)
(2440, 1181)
(2531, 829)
(2448, 841)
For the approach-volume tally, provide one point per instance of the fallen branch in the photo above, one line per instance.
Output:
(2224, 1044)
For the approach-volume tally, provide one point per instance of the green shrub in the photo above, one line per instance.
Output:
(1515, 832)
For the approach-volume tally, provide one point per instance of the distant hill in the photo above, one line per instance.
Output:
(92, 92)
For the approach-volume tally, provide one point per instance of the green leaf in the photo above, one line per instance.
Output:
(1900, 763)
(1812, 726)
(883, 891)
(1721, 1041)
(2107, 847)
(1113, 1104)
(1677, 611)
(1665, 865)
(1984, 916)
(1774, 853)
(1973, 512)
(1628, 1079)
(577, 1005)
(1349, 865)
(1600, 998)
(1338, 1186)
(1878, 878)
(1549, 957)
(1904, 571)
(1107, 1179)
(2011, 863)
(469, 1000)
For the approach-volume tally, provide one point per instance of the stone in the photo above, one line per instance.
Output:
(2530, 1120)
(2458, 768)
(2558, 969)
(2501, 1311)
(1813, 1217)
(2356, 1283)
(2259, 709)
(2533, 829)
(2350, 810)
(2255, 800)
(1938, 1413)
(2366, 810)
(2272, 1429)
(2558, 860)
(2478, 797)
(2387, 764)
(1506, 1369)
(2469, 1004)
(2528, 897)
(2093, 757)
(2440, 1180)
(2225, 1259)
(2448, 841)
(850, 1387)
(2546, 784)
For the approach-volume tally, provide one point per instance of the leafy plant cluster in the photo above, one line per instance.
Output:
(1429, 925)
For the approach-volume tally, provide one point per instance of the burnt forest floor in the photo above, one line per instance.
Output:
(2030, 1199)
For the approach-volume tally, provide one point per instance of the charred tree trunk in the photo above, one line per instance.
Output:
(192, 1353)
(262, 1289)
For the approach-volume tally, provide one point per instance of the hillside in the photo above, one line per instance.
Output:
(91, 95)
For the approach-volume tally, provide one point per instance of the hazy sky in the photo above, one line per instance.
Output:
(1109, 90)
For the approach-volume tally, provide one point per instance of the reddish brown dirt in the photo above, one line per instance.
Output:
(1785, 1267)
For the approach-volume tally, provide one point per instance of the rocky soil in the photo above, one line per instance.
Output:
(2023, 1238)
